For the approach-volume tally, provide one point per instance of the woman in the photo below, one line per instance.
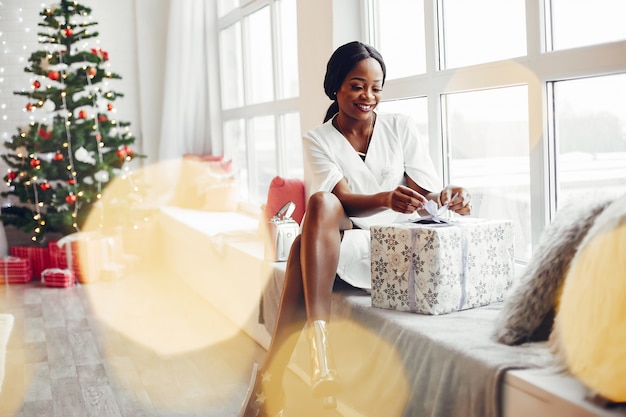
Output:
(361, 168)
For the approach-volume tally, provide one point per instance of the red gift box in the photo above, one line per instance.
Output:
(58, 258)
(57, 277)
(38, 256)
(15, 270)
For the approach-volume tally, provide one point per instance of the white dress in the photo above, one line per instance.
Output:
(396, 147)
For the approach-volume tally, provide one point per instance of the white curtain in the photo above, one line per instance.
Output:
(185, 123)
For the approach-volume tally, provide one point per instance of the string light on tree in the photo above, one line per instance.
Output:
(71, 149)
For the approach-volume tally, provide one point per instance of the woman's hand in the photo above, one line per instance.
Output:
(405, 200)
(458, 199)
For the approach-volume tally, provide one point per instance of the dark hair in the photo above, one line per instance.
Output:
(341, 62)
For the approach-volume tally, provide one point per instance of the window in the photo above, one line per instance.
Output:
(400, 36)
(590, 133)
(259, 89)
(577, 23)
(487, 142)
(509, 114)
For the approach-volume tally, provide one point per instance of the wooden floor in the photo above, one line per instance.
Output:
(138, 346)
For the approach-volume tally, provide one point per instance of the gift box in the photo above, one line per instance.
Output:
(58, 258)
(440, 268)
(57, 277)
(38, 256)
(88, 254)
(14, 270)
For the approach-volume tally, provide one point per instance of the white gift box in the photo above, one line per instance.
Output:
(440, 268)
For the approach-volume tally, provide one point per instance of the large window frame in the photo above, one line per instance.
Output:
(538, 70)
(279, 107)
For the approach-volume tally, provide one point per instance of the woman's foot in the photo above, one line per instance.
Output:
(323, 377)
(261, 399)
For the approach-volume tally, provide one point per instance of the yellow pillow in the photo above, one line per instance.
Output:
(590, 326)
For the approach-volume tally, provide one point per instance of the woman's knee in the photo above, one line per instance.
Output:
(325, 207)
(324, 202)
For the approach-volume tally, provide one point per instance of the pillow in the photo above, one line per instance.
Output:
(528, 311)
(590, 326)
(281, 191)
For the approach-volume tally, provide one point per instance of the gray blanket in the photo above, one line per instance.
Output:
(402, 364)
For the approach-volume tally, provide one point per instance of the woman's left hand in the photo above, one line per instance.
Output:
(458, 199)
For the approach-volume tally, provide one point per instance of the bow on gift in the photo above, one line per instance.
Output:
(436, 214)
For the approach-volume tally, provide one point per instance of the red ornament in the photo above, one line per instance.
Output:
(68, 32)
(92, 71)
(109, 107)
(128, 151)
(35, 163)
(98, 137)
(53, 75)
(82, 114)
(29, 107)
(121, 153)
(11, 175)
(58, 156)
(102, 118)
(36, 84)
(99, 52)
(44, 186)
(70, 199)
(71, 181)
(44, 134)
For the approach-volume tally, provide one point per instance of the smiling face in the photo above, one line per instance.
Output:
(361, 90)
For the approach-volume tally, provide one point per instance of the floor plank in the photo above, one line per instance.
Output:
(141, 346)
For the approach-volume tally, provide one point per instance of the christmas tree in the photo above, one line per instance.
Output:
(73, 147)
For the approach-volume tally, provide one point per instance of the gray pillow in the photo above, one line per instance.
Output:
(528, 311)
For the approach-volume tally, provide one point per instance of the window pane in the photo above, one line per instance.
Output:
(225, 6)
(487, 134)
(417, 108)
(591, 138)
(288, 55)
(586, 22)
(263, 135)
(259, 69)
(235, 148)
(400, 36)
(293, 145)
(231, 67)
(481, 31)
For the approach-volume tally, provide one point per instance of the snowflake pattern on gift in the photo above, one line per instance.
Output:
(478, 255)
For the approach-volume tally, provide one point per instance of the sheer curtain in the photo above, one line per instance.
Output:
(185, 126)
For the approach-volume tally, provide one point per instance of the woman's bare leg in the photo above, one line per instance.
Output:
(309, 278)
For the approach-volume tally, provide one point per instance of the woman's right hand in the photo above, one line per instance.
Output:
(405, 200)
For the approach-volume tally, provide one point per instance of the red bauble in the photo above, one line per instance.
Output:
(128, 151)
(29, 106)
(68, 32)
(109, 107)
(35, 163)
(70, 199)
(58, 156)
(53, 75)
(98, 137)
(36, 84)
(121, 153)
(71, 181)
(44, 134)
(44, 186)
(92, 71)
(11, 175)
(82, 114)
(102, 118)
